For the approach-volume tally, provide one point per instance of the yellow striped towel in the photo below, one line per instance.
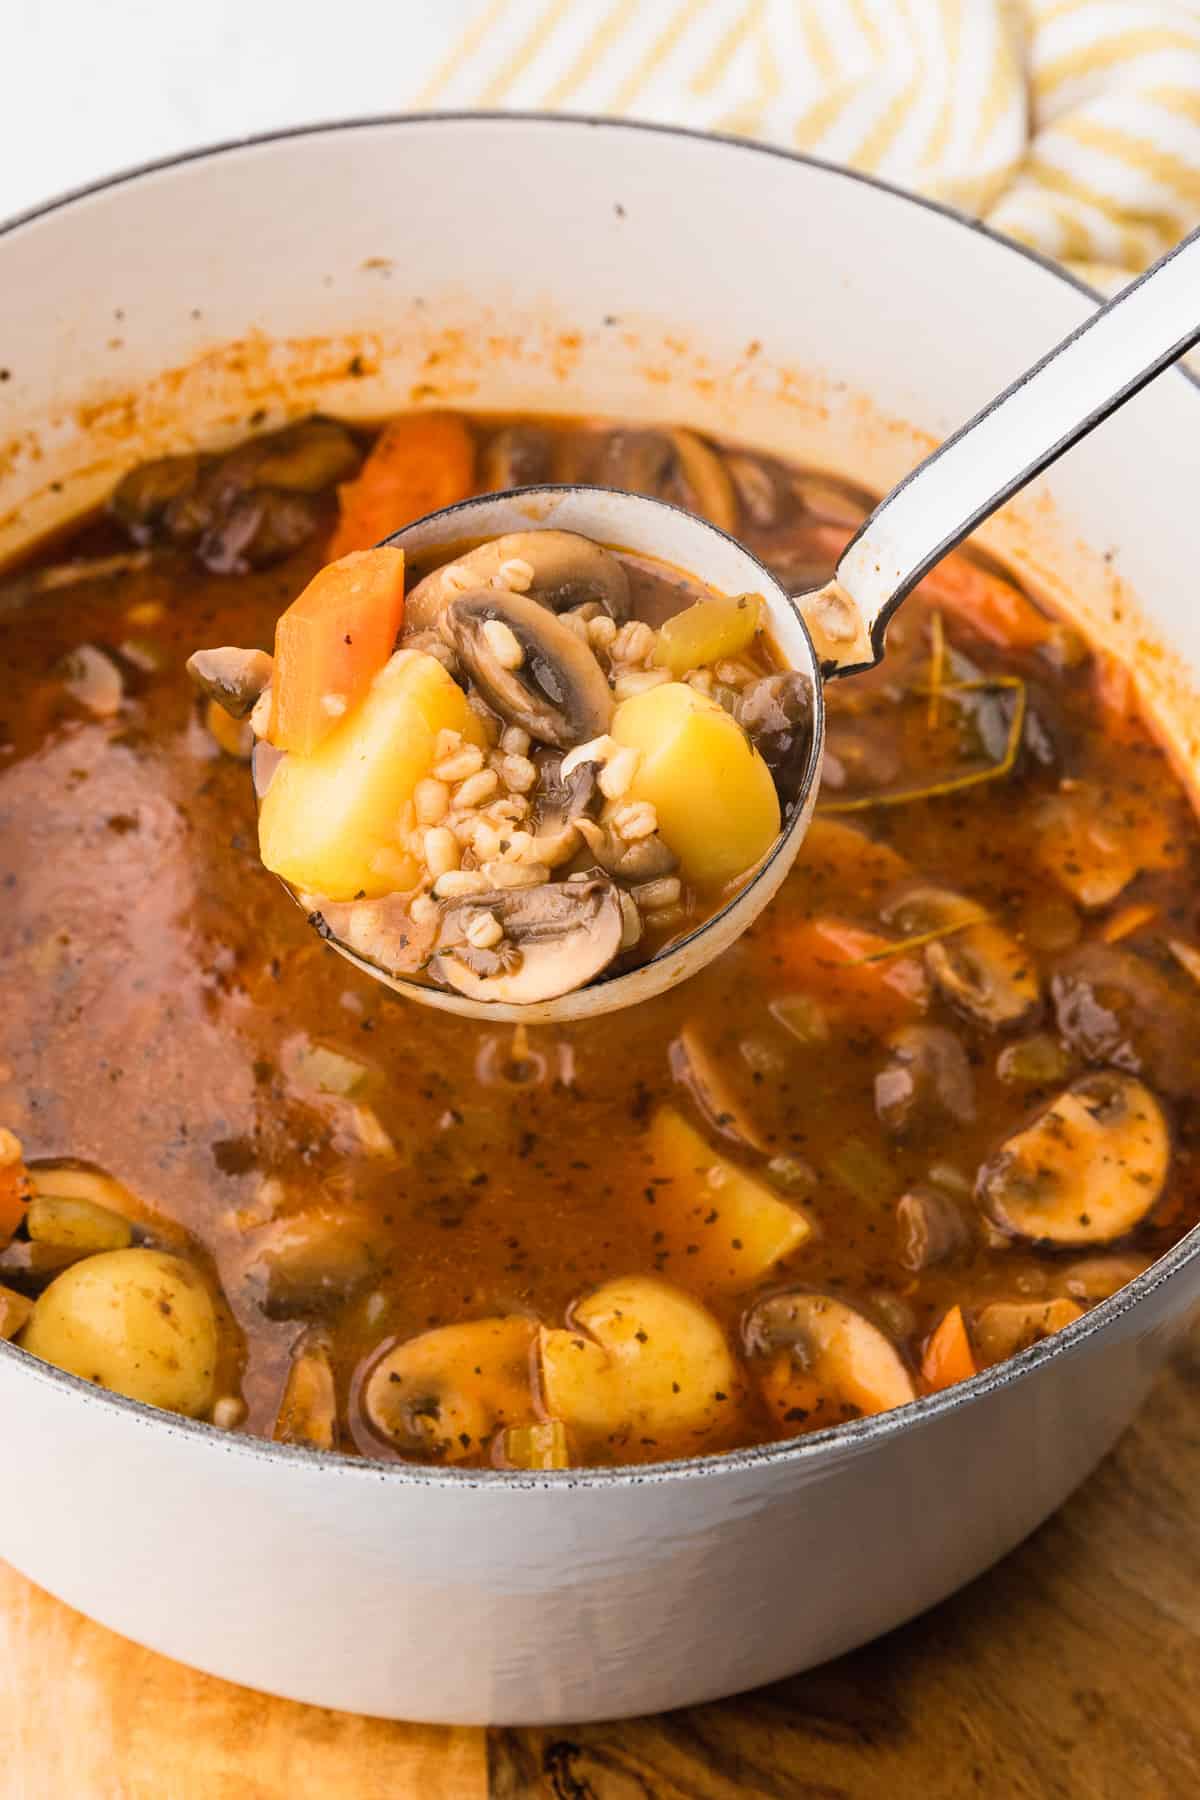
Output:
(1072, 125)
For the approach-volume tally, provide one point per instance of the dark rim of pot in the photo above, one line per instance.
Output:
(849, 1440)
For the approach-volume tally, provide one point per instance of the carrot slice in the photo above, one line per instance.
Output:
(948, 1355)
(14, 1186)
(419, 463)
(850, 969)
(1128, 920)
(991, 606)
(331, 642)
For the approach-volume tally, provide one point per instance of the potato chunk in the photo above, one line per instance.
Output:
(641, 1359)
(718, 1222)
(718, 811)
(329, 822)
(707, 631)
(136, 1321)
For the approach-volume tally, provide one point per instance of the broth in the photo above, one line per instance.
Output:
(349, 1172)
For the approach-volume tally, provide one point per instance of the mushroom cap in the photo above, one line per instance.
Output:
(445, 1393)
(558, 692)
(558, 936)
(233, 678)
(1087, 1170)
(983, 971)
(696, 1067)
(929, 1073)
(640, 859)
(821, 1361)
(1005, 1327)
(568, 570)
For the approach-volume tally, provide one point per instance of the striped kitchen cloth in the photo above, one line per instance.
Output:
(1072, 125)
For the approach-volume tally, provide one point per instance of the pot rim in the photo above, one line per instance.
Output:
(852, 1438)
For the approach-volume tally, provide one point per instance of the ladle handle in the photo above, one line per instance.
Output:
(1045, 411)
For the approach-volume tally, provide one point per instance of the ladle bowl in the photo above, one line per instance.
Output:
(646, 527)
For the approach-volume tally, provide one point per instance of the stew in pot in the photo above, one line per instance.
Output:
(934, 1104)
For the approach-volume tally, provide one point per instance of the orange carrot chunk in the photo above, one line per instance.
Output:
(987, 603)
(858, 973)
(1124, 923)
(419, 463)
(331, 642)
(14, 1186)
(948, 1354)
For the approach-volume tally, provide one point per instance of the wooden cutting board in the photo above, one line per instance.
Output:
(1072, 1669)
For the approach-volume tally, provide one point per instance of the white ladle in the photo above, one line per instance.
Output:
(840, 628)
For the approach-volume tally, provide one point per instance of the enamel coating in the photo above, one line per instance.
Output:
(504, 1598)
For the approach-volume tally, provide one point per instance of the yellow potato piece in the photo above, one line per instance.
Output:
(720, 1225)
(707, 631)
(716, 802)
(644, 1360)
(138, 1322)
(329, 821)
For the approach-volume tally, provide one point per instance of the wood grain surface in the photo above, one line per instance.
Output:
(1072, 1669)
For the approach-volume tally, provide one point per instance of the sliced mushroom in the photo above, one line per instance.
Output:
(642, 859)
(246, 507)
(233, 678)
(805, 556)
(1087, 1170)
(1007, 1327)
(978, 967)
(141, 498)
(557, 801)
(93, 681)
(764, 487)
(383, 932)
(776, 712)
(446, 1393)
(307, 1261)
(517, 456)
(1094, 1278)
(819, 1362)
(541, 677)
(306, 458)
(706, 480)
(696, 1068)
(669, 465)
(557, 937)
(636, 461)
(1115, 1006)
(308, 1411)
(931, 1226)
(258, 528)
(928, 1074)
(557, 569)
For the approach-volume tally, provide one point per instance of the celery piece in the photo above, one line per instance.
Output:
(536, 1446)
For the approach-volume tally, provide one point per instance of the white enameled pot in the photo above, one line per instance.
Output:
(603, 268)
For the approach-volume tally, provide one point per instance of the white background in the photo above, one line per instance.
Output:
(89, 86)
